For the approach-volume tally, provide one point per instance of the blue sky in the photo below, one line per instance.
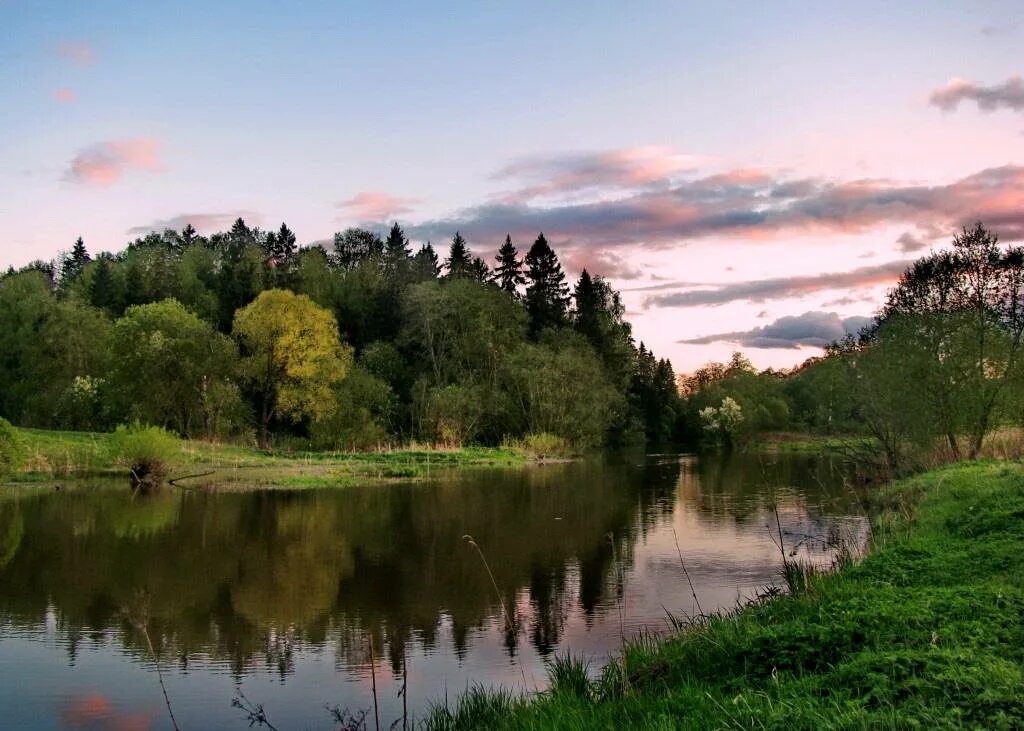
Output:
(609, 122)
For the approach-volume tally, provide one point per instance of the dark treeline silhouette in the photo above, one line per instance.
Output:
(936, 372)
(185, 331)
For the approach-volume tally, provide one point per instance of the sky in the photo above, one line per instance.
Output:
(751, 176)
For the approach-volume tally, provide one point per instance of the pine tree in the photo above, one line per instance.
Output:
(479, 270)
(240, 234)
(73, 263)
(280, 248)
(586, 317)
(189, 235)
(509, 273)
(424, 264)
(103, 291)
(459, 262)
(547, 294)
(396, 253)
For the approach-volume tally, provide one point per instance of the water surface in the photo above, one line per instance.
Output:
(280, 594)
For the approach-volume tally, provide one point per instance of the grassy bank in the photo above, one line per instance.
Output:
(61, 455)
(802, 443)
(927, 631)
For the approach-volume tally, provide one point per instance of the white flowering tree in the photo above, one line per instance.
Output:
(723, 421)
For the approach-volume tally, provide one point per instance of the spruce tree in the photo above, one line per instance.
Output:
(425, 266)
(509, 273)
(73, 263)
(480, 271)
(281, 246)
(396, 254)
(103, 292)
(547, 294)
(189, 235)
(459, 263)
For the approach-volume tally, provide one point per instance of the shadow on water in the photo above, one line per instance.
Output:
(260, 584)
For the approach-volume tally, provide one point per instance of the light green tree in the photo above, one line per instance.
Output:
(292, 357)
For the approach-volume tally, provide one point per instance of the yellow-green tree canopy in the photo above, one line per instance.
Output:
(292, 356)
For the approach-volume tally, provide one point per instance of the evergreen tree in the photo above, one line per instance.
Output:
(103, 290)
(241, 235)
(509, 272)
(547, 294)
(189, 235)
(425, 265)
(480, 271)
(280, 247)
(586, 317)
(73, 264)
(396, 253)
(459, 262)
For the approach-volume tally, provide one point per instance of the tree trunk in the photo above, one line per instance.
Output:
(954, 447)
(264, 440)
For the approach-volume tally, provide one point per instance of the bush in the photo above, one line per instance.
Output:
(11, 448)
(145, 450)
(544, 445)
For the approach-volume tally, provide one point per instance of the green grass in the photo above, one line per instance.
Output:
(63, 455)
(926, 632)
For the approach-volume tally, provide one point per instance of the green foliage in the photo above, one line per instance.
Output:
(12, 450)
(141, 334)
(171, 368)
(147, 451)
(364, 407)
(761, 399)
(291, 356)
(544, 445)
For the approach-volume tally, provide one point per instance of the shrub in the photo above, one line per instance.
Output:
(544, 445)
(145, 450)
(11, 448)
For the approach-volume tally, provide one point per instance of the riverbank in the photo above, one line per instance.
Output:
(803, 443)
(926, 631)
(51, 456)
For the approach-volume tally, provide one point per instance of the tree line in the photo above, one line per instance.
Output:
(938, 370)
(345, 344)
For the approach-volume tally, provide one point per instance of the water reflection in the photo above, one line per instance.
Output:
(293, 584)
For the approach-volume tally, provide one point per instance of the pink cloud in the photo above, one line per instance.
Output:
(95, 711)
(65, 95)
(202, 222)
(751, 205)
(569, 173)
(104, 163)
(376, 206)
(77, 52)
(599, 261)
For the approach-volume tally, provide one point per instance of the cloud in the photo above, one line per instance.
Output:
(376, 206)
(568, 173)
(77, 52)
(203, 222)
(1008, 95)
(599, 261)
(815, 328)
(993, 29)
(104, 163)
(763, 290)
(65, 95)
(746, 204)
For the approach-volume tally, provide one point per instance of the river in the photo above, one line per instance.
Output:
(283, 595)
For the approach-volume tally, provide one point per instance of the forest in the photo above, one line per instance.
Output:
(244, 335)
